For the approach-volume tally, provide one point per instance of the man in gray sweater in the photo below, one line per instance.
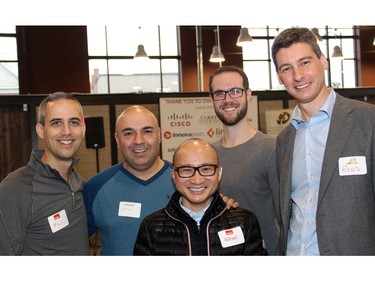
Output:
(247, 155)
(41, 204)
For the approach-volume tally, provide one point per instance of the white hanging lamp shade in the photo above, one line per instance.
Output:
(244, 37)
(141, 53)
(216, 55)
(337, 53)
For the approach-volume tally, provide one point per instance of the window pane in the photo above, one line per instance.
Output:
(274, 31)
(349, 73)
(9, 66)
(274, 80)
(9, 78)
(8, 48)
(336, 72)
(126, 76)
(171, 81)
(343, 31)
(144, 76)
(258, 74)
(96, 40)
(168, 35)
(257, 31)
(7, 28)
(98, 76)
(125, 40)
(347, 48)
(323, 47)
(257, 49)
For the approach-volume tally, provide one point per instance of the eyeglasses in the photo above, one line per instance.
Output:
(234, 93)
(204, 170)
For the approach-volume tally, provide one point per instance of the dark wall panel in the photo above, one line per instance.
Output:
(53, 58)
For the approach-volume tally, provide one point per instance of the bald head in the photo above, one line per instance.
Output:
(196, 173)
(136, 111)
(195, 146)
(138, 138)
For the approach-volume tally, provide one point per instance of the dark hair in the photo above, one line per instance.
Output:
(289, 36)
(51, 98)
(230, 68)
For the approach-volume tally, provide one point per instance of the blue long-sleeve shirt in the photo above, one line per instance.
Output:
(309, 147)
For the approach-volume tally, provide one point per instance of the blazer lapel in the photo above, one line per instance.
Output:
(286, 156)
(340, 128)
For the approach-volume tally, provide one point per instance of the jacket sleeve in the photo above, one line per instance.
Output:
(253, 238)
(142, 245)
(14, 218)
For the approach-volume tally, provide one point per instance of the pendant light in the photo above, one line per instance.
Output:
(141, 53)
(337, 53)
(217, 55)
(244, 37)
(373, 43)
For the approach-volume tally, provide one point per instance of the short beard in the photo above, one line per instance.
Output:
(239, 117)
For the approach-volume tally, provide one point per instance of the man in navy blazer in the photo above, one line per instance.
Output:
(325, 158)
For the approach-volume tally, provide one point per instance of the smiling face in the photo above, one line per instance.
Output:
(62, 132)
(230, 110)
(302, 73)
(138, 138)
(196, 190)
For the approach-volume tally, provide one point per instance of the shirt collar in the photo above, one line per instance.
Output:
(327, 108)
(196, 216)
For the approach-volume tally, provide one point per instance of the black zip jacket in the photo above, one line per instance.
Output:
(171, 231)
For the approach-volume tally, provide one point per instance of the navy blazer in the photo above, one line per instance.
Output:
(345, 218)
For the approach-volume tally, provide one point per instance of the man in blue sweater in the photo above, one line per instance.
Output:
(118, 198)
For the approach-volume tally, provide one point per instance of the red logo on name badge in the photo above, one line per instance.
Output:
(229, 232)
(56, 217)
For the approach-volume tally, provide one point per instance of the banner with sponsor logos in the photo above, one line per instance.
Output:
(185, 118)
(277, 120)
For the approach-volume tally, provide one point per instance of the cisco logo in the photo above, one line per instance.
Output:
(180, 120)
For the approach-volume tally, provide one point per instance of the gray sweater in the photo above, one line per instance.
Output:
(249, 177)
(33, 202)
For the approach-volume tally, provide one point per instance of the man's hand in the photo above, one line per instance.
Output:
(230, 202)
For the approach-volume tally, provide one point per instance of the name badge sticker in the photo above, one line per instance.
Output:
(353, 165)
(58, 221)
(231, 237)
(129, 209)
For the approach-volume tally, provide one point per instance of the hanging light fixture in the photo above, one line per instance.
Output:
(244, 37)
(316, 33)
(373, 43)
(217, 55)
(337, 53)
(141, 53)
